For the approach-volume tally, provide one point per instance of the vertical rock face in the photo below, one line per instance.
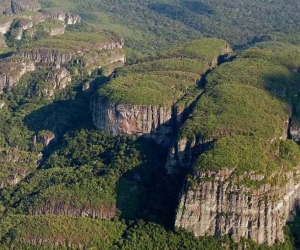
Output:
(24, 5)
(67, 18)
(62, 56)
(59, 78)
(17, 6)
(181, 155)
(131, 119)
(45, 138)
(56, 31)
(11, 71)
(294, 130)
(47, 56)
(218, 206)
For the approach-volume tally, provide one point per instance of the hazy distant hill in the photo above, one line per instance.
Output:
(148, 24)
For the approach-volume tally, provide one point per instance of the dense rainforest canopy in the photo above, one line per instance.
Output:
(66, 185)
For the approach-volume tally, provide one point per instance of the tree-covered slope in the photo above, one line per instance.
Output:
(150, 24)
(66, 185)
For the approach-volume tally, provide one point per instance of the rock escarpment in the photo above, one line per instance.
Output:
(150, 98)
(131, 119)
(11, 71)
(59, 78)
(220, 206)
(84, 211)
(67, 18)
(21, 163)
(294, 130)
(61, 54)
(16, 6)
(243, 170)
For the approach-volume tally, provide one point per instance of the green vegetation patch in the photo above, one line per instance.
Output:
(83, 176)
(236, 109)
(49, 24)
(63, 231)
(145, 89)
(73, 41)
(254, 72)
(163, 82)
(173, 64)
(250, 155)
(205, 49)
(153, 236)
(4, 19)
(278, 53)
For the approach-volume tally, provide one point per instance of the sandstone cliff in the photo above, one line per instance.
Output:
(11, 71)
(294, 129)
(62, 209)
(67, 18)
(120, 118)
(218, 206)
(15, 165)
(97, 59)
(46, 56)
(61, 56)
(17, 6)
(167, 92)
(24, 5)
(59, 78)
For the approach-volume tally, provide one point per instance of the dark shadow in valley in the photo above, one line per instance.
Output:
(148, 192)
(6, 55)
(62, 116)
(198, 7)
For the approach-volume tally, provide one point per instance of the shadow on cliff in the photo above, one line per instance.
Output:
(71, 112)
(148, 192)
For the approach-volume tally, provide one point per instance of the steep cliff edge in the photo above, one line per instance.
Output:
(131, 119)
(11, 71)
(149, 98)
(67, 18)
(243, 173)
(17, 6)
(218, 205)
(61, 49)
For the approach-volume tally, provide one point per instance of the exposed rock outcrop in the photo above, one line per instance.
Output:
(56, 31)
(98, 59)
(9, 7)
(15, 165)
(24, 5)
(132, 119)
(85, 211)
(46, 56)
(218, 206)
(22, 25)
(11, 71)
(44, 138)
(61, 56)
(294, 130)
(68, 18)
(59, 78)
